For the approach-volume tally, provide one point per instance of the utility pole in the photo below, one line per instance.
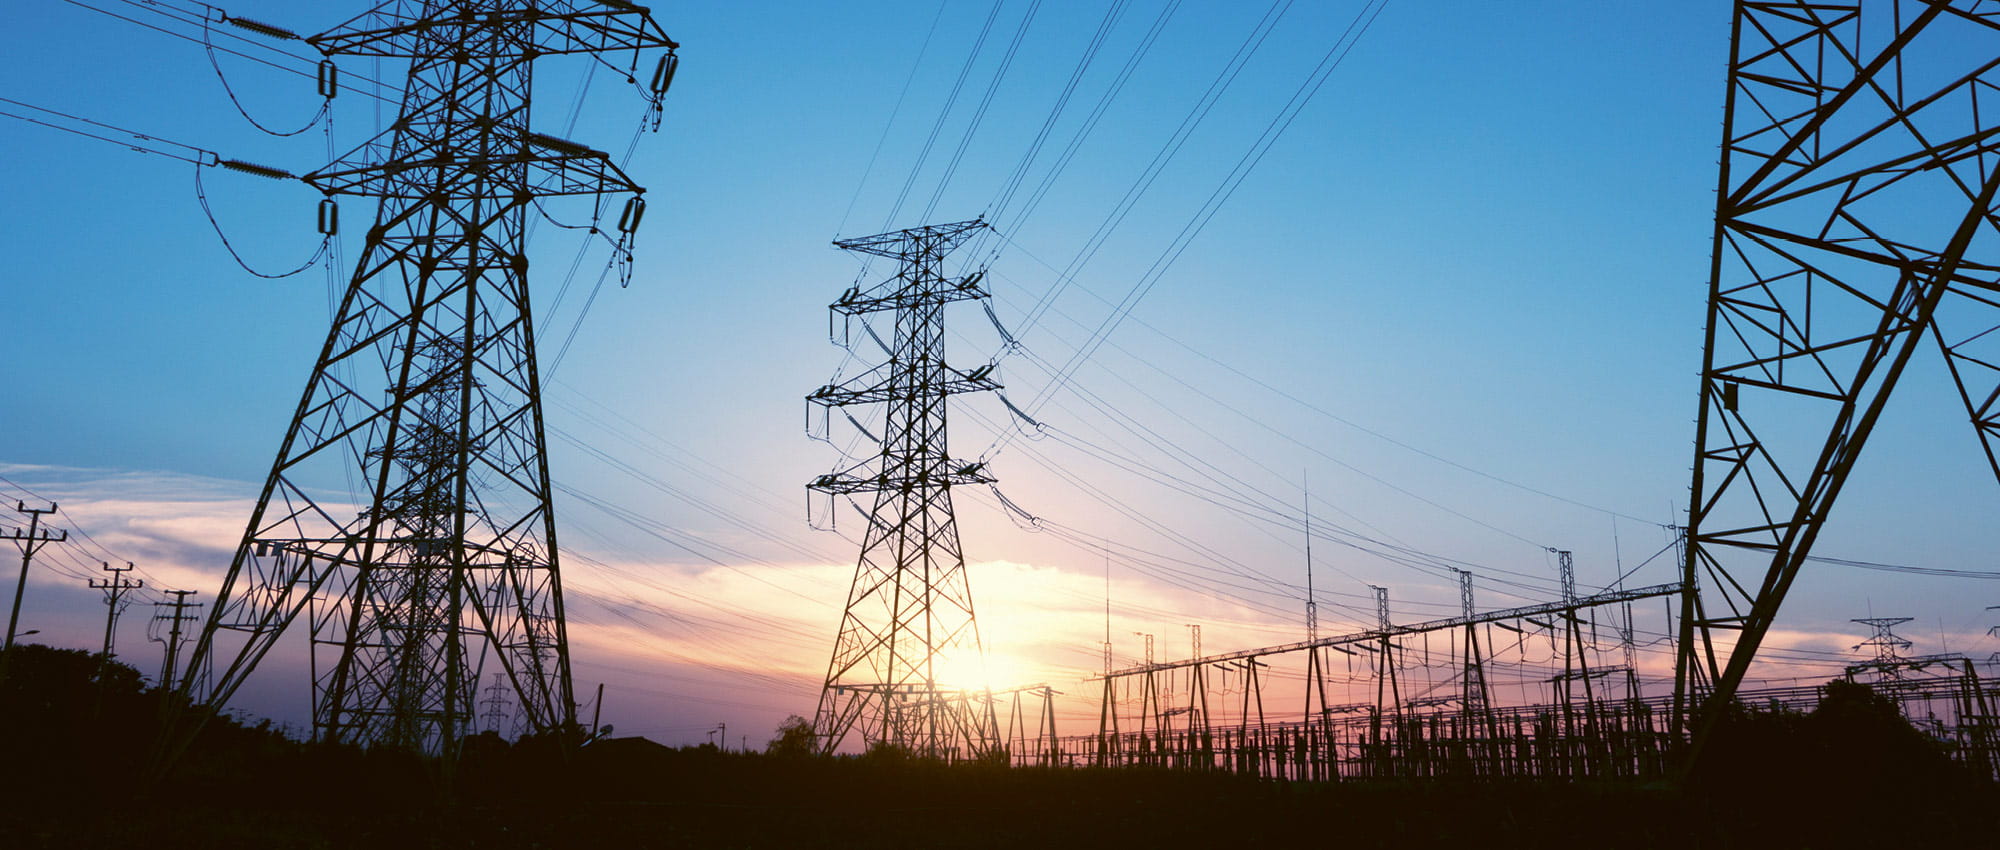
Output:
(30, 542)
(1475, 697)
(1197, 704)
(114, 594)
(1575, 666)
(177, 615)
(1107, 611)
(908, 623)
(1312, 601)
(1150, 709)
(1582, 741)
(1316, 719)
(1387, 690)
(428, 392)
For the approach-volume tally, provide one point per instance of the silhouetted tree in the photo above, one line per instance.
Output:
(795, 739)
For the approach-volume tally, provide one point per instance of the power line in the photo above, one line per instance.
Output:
(937, 126)
(1090, 122)
(891, 123)
(1289, 396)
(1237, 174)
(325, 244)
(979, 112)
(997, 208)
(152, 7)
(133, 139)
(1165, 155)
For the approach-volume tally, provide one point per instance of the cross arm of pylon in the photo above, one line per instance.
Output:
(1917, 662)
(979, 379)
(399, 28)
(554, 167)
(900, 294)
(845, 483)
(1371, 639)
(931, 238)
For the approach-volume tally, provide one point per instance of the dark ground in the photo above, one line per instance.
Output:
(75, 757)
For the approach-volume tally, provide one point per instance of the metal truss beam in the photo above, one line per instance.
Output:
(1392, 631)
(1855, 216)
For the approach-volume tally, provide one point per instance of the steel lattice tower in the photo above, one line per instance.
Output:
(1854, 222)
(425, 400)
(909, 621)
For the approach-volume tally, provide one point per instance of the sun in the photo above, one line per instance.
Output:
(964, 671)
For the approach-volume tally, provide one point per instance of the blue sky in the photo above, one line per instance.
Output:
(1486, 238)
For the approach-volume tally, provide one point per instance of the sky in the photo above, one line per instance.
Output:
(1459, 299)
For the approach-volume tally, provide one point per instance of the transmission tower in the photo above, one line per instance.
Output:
(908, 628)
(439, 557)
(1854, 221)
(498, 717)
(1884, 641)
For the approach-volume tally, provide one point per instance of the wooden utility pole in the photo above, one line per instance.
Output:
(114, 594)
(30, 543)
(179, 615)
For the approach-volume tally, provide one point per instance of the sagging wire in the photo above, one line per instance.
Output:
(654, 92)
(813, 516)
(832, 515)
(1016, 513)
(329, 216)
(620, 262)
(542, 210)
(328, 75)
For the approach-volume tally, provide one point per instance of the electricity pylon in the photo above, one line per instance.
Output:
(424, 409)
(1884, 641)
(1854, 220)
(908, 627)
